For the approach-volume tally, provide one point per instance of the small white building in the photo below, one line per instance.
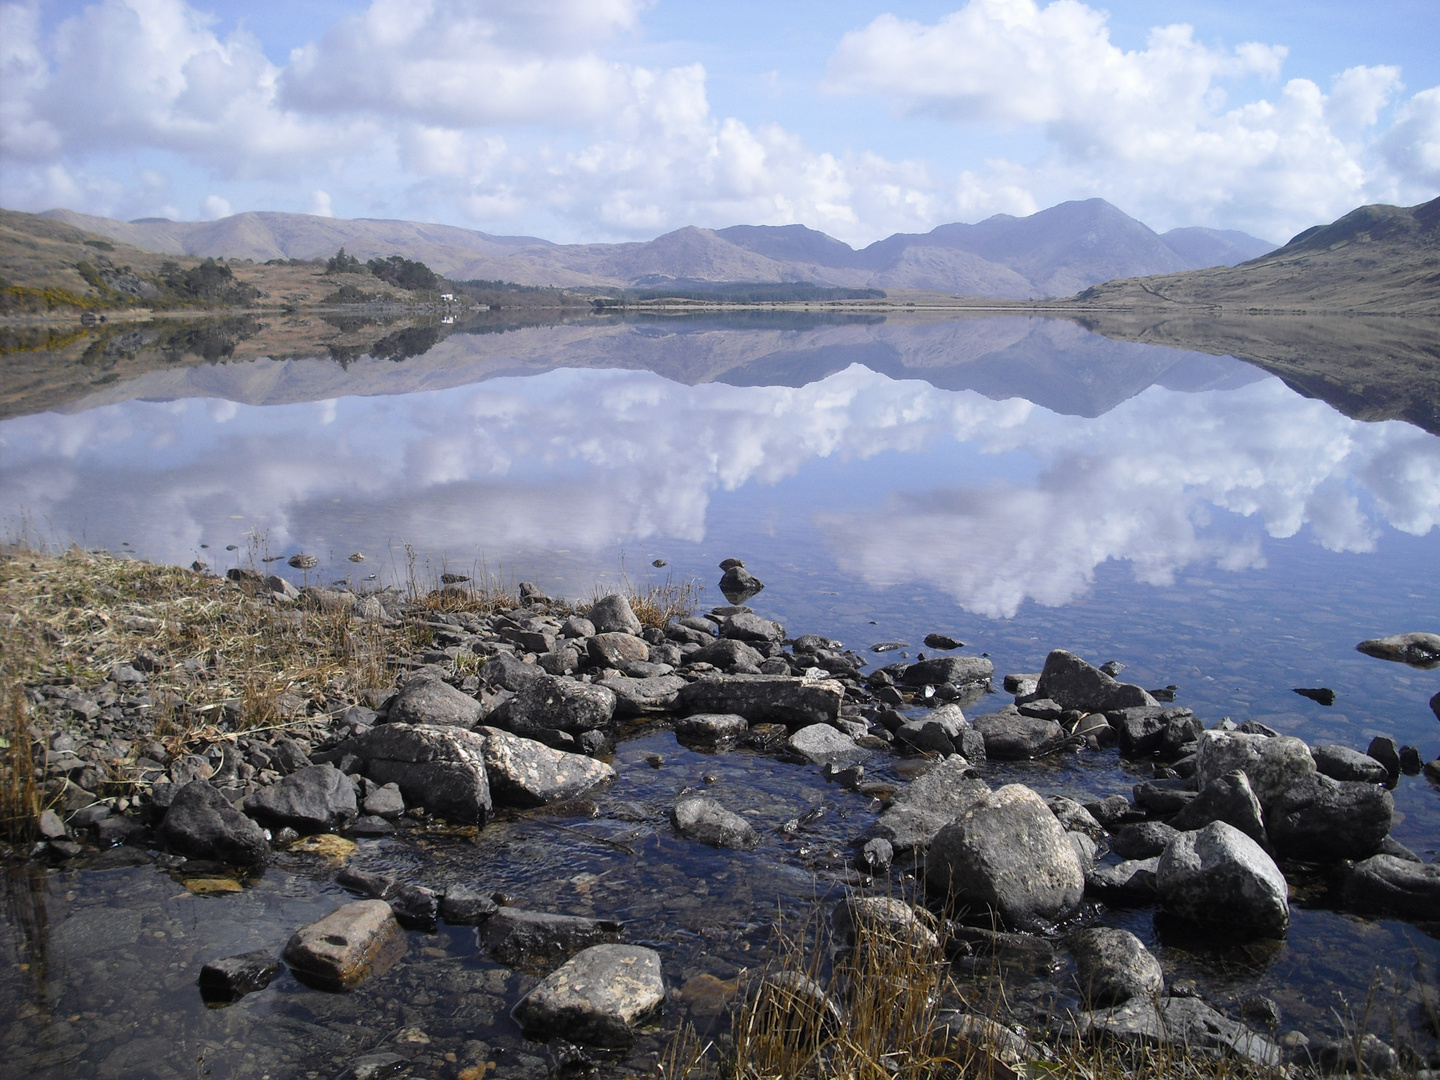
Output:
(448, 298)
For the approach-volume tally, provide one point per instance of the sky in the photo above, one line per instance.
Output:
(604, 120)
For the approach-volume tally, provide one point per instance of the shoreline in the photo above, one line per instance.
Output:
(212, 705)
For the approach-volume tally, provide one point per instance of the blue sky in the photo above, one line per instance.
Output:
(584, 120)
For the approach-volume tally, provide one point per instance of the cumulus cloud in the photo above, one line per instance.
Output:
(1151, 129)
(514, 114)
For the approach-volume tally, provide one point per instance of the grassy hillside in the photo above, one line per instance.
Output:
(1376, 259)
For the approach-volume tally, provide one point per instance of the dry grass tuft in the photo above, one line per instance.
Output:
(225, 661)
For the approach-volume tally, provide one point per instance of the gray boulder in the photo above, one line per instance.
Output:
(956, 670)
(1324, 820)
(616, 649)
(884, 918)
(638, 697)
(711, 729)
(1218, 876)
(464, 905)
(612, 614)
(1011, 736)
(920, 809)
(725, 654)
(1073, 817)
(738, 584)
(317, 799)
(596, 998)
(1419, 649)
(202, 824)
(704, 820)
(441, 769)
(233, 977)
(1342, 763)
(515, 936)
(1228, 798)
(553, 702)
(1142, 840)
(432, 702)
(745, 626)
(1184, 1022)
(1112, 966)
(523, 772)
(338, 951)
(1008, 853)
(1273, 764)
(780, 699)
(1075, 684)
(938, 732)
(1390, 885)
(821, 744)
(509, 672)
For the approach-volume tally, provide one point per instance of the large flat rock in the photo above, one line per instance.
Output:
(778, 699)
(340, 950)
(596, 998)
(441, 769)
(523, 772)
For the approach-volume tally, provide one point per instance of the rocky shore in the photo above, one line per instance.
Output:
(518, 706)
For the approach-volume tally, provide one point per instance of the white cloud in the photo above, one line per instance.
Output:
(214, 207)
(517, 114)
(1150, 129)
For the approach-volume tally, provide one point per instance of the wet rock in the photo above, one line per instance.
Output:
(1419, 650)
(1075, 818)
(415, 907)
(1113, 966)
(616, 649)
(596, 998)
(1184, 1022)
(821, 744)
(1273, 764)
(523, 772)
(1165, 796)
(514, 936)
(1342, 763)
(704, 820)
(1386, 751)
(374, 1066)
(1111, 811)
(637, 697)
(370, 825)
(1321, 695)
(923, 807)
(794, 702)
(430, 701)
(613, 614)
(1133, 880)
(939, 731)
(463, 905)
(552, 702)
(956, 670)
(441, 769)
(876, 856)
(1001, 948)
(202, 824)
(750, 627)
(711, 729)
(1011, 736)
(738, 584)
(1410, 763)
(1022, 685)
(369, 883)
(233, 977)
(1142, 840)
(385, 801)
(317, 799)
(1391, 885)
(509, 672)
(882, 918)
(1323, 820)
(1435, 706)
(1076, 684)
(943, 641)
(338, 951)
(1218, 876)
(1008, 853)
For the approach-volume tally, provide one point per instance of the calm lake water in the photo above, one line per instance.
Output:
(1018, 483)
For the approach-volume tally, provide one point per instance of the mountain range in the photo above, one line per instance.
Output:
(1055, 252)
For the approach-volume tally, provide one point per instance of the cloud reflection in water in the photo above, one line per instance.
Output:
(586, 460)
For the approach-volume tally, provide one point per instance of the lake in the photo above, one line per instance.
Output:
(1017, 482)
